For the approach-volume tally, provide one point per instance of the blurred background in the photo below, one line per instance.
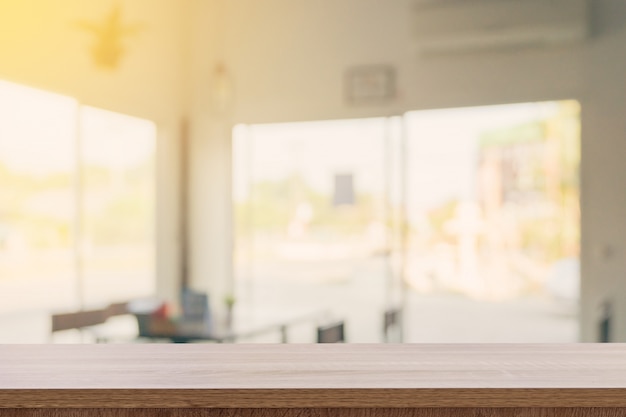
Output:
(335, 171)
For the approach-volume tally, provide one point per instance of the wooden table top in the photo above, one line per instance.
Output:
(345, 375)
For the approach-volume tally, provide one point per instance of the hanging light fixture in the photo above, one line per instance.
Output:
(222, 89)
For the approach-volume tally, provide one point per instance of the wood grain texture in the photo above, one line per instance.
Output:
(323, 412)
(285, 398)
(293, 376)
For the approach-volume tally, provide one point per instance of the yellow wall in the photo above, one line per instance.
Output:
(43, 43)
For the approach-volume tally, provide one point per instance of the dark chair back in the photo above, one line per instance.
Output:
(81, 320)
(77, 320)
(331, 333)
(195, 305)
(392, 324)
(86, 318)
(143, 324)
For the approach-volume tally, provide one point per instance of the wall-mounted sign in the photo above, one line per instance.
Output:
(370, 84)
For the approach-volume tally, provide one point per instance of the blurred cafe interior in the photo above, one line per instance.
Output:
(279, 171)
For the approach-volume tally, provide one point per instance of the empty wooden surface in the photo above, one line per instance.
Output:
(312, 376)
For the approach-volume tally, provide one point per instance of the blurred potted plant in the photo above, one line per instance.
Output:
(229, 301)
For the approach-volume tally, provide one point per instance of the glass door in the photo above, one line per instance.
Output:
(312, 203)
(494, 223)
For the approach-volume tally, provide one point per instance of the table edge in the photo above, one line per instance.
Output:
(314, 398)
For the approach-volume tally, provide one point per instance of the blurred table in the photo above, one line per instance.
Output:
(179, 330)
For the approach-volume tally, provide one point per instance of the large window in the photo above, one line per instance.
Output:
(467, 217)
(76, 202)
(494, 222)
(312, 218)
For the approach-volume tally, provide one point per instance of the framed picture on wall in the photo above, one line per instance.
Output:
(370, 84)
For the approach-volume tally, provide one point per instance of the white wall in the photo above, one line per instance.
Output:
(41, 45)
(210, 239)
(603, 171)
(288, 58)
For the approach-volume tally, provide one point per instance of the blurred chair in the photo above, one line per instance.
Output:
(195, 305)
(79, 320)
(331, 333)
(117, 309)
(116, 327)
(392, 325)
(90, 322)
(147, 311)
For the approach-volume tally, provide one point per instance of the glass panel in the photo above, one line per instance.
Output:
(37, 205)
(311, 223)
(493, 211)
(118, 205)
